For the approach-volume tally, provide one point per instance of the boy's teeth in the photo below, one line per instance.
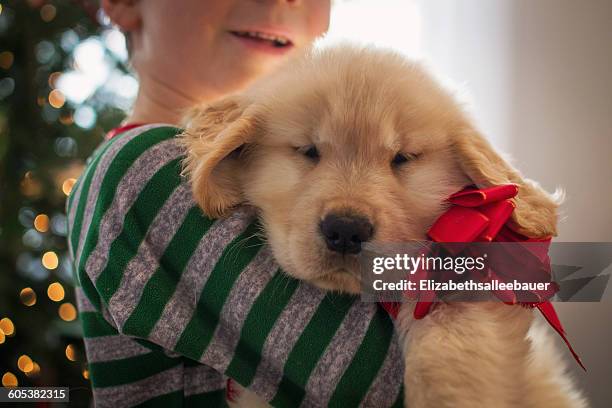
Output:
(264, 36)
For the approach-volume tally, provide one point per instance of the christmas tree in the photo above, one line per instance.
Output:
(63, 82)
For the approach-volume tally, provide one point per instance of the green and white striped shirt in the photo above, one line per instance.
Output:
(172, 303)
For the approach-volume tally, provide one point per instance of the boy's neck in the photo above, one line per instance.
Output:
(157, 102)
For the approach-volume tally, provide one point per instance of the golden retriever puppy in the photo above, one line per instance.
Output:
(346, 145)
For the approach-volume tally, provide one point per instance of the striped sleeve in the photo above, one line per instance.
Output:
(173, 288)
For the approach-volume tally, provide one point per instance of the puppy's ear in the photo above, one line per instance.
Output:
(535, 214)
(214, 137)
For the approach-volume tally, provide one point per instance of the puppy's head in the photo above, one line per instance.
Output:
(342, 146)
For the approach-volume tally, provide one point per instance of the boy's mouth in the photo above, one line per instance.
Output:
(277, 41)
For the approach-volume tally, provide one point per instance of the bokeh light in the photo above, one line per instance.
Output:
(53, 77)
(45, 51)
(7, 326)
(85, 117)
(66, 119)
(71, 353)
(6, 60)
(30, 185)
(47, 12)
(50, 260)
(25, 363)
(27, 296)
(9, 380)
(33, 239)
(67, 185)
(56, 98)
(35, 370)
(55, 291)
(67, 312)
(67, 61)
(41, 223)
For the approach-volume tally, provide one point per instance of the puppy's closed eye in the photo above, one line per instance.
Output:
(402, 158)
(309, 151)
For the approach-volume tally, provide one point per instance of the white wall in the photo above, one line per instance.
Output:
(468, 41)
(562, 135)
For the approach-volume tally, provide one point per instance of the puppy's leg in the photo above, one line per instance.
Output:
(465, 355)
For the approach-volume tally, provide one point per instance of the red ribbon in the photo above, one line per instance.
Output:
(482, 215)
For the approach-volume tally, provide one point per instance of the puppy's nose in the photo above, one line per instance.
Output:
(345, 233)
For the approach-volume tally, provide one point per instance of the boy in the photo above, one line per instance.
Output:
(174, 303)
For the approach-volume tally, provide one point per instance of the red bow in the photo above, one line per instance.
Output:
(481, 215)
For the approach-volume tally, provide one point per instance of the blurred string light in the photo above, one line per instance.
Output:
(55, 291)
(69, 40)
(27, 296)
(86, 373)
(94, 70)
(71, 353)
(50, 260)
(6, 60)
(2, 337)
(56, 98)
(35, 370)
(85, 117)
(25, 363)
(65, 146)
(59, 224)
(30, 186)
(91, 70)
(7, 86)
(7, 327)
(32, 238)
(44, 51)
(26, 215)
(41, 223)
(53, 77)
(67, 119)
(9, 380)
(67, 312)
(47, 12)
(114, 40)
(67, 185)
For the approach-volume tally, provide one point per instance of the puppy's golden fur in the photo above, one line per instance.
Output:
(360, 107)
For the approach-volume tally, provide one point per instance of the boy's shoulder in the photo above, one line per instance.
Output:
(146, 144)
(129, 156)
(134, 136)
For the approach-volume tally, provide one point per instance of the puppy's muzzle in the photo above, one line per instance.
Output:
(345, 233)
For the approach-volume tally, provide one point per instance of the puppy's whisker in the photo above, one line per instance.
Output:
(233, 251)
(282, 277)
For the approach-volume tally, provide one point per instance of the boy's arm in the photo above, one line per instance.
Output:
(211, 291)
